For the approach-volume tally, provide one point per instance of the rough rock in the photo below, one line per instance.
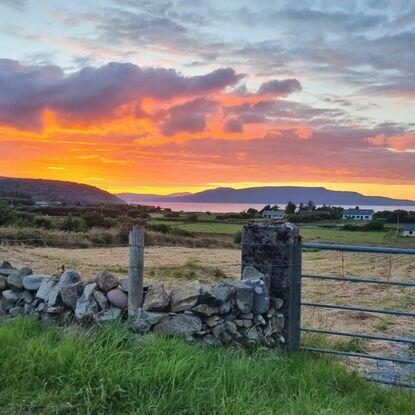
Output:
(15, 280)
(48, 291)
(186, 296)
(251, 272)
(33, 282)
(70, 276)
(156, 298)
(3, 283)
(211, 340)
(118, 298)
(230, 327)
(145, 320)
(6, 268)
(86, 306)
(26, 296)
(244, 297)
(15, 311)
(252, 334)
(55, 310)
(204, 310)
(111, 314)
(70, 293)
(124, 284)
(213, 321)
(10, 295)
(221, 292)
(106, 281)
(261, 295)
(102, 300)
(181, 325)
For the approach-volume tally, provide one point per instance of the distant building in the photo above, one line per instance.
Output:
(409, 229)
(358, 214)
(273, 214)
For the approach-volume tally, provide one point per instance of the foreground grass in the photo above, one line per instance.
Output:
(48, 371)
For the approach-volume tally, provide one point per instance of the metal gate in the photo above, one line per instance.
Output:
(362, 280)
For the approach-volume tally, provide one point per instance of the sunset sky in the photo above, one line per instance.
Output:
(167, 96)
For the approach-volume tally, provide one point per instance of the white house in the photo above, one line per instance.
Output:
(358, 214)
(409, 230)
(273, 214)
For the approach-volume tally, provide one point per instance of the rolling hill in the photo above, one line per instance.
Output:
(70, 193)
(271, 194)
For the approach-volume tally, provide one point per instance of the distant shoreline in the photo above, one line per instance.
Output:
(217, 207)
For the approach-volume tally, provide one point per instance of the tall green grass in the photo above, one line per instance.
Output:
(111, 371)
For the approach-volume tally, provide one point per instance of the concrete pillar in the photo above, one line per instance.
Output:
(274, 249)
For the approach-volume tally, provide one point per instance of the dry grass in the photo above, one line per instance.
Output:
(171, 264)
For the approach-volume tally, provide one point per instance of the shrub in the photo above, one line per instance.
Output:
(237, 237)
(72, 224)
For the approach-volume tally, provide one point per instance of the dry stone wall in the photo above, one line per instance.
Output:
(252, 310)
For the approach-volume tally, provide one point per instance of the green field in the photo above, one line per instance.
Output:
(309, 232)
(112, 371)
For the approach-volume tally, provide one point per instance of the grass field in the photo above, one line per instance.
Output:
(48, 371)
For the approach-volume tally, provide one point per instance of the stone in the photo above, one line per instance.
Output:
(41, 307)
(102, 300)
(238, 338)
(15, 311)
(6, 268)
(271, 311)
(259, 320)
(70, 292)
(3, 283)
(106, 281)
(252, 334)
(204, 310)
(277, 302)
(213, 321)
(15, 280)
(230, 327)
(247, 323)
(10, 296)
(218, 330)
(46, 288)
(86, 305)
(244, 297)
(248, 316)
(180, 325)
(33, 282)
(118, 298)
(156, 298)
(239, 323)
(70, 276)
(145, 320)
(251, 272)
(55, 310)
(275, 325)
(105, 316)
(221, 292)
(211, 340)
(261, 295)
(26, 296)
(186, 296)
(225, 337)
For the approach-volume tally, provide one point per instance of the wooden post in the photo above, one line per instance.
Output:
(136, 269)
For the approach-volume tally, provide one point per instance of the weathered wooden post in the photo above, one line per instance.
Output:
(274, 249)
(136, 269)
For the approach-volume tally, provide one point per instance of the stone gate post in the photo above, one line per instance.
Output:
(274, 249)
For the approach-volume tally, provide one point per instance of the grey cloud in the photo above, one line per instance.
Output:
(25, 91)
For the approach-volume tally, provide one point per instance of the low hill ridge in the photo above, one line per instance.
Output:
(71, 193)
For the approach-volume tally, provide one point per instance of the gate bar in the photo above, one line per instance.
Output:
(361, 355)
(366, 310)
(362, 336)
(357, 248)
(353, 279)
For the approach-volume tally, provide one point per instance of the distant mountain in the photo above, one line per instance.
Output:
(70, 193)
(272, 194)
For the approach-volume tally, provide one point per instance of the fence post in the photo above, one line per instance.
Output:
(274, 249)
(136, 269)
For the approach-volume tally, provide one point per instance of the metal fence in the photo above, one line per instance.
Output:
(349, 308)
